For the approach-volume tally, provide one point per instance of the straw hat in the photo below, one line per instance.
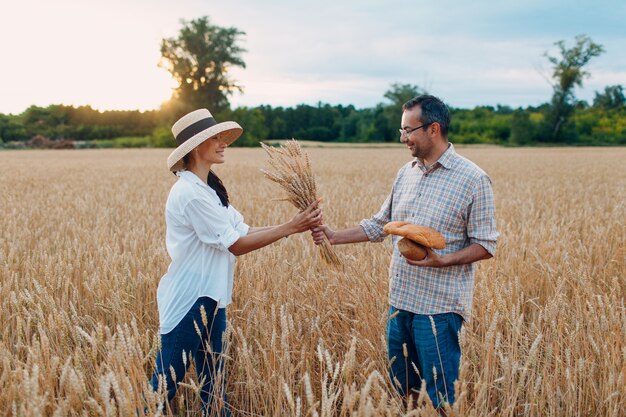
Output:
(194, 128)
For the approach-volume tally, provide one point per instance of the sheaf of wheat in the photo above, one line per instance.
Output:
(291, 169)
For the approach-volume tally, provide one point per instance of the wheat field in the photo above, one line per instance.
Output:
(83, 247)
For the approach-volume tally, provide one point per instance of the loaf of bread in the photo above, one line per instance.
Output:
(411, 250)
(425, 236)
(414, 239)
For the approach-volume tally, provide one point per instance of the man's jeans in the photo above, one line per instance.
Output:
(425, 352)
(205, 349)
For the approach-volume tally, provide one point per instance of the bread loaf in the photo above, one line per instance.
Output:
(422, 235)
(411, 250)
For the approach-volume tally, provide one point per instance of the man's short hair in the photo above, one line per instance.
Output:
(433, 110)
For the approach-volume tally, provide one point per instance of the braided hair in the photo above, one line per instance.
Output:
(214, 182)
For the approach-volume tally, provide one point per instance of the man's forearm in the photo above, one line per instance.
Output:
(468, 255)
(352, 235)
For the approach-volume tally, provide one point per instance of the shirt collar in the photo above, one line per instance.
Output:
(445, 160)
(191, 177)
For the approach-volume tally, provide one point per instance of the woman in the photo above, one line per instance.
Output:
(204, 235)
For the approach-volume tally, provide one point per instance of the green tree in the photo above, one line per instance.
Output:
(398, 94)
(253, 122)
(162, 137)
(199, 60)
(568, 73)
(522, 128)
(11, 129)
(48, 121)
(611, 98)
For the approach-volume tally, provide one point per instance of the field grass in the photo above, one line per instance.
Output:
(82, 250)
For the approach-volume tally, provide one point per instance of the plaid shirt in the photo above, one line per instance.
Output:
(454, 197)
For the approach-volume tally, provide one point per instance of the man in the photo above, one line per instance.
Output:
(430, 299)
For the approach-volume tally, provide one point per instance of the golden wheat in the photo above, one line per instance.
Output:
(293, 172)
(82, 249)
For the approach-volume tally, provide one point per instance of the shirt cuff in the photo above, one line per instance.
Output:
(489, 245)
(243, 229)
(373, 230)
(227, 237)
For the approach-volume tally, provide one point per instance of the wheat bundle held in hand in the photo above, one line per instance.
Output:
(292, 171)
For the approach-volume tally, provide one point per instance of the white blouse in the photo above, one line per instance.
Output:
(199, 232)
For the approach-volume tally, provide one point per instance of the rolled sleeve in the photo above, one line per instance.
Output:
(373, 227)
(210, 225)
(242, 229)
(240, 226)
(481, 226)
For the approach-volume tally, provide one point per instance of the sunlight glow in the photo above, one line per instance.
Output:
(86, 54)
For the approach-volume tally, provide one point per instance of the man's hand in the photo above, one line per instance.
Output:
(322, 232)
(432, 259)
(467, 255)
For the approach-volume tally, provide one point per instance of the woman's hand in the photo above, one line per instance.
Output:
(307, 219)
(263, 236)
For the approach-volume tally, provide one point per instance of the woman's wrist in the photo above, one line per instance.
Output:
(287, 229)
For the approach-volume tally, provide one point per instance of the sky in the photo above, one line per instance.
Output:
(484, 52)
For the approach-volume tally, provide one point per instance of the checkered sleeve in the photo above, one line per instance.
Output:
(373, 227)
(481, 225)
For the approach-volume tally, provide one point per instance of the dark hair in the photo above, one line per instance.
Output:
(433, 110)
(186, 160)
(214, 182)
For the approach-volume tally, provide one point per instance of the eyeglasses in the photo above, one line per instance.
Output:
(407, 132)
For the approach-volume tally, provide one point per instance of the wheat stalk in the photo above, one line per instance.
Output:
(292, 171)
(80, 329)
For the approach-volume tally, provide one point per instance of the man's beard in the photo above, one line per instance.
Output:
(418, 152)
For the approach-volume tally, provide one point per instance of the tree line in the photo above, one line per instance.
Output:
(200, 57)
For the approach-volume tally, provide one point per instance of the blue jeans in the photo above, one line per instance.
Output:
(426, 352)
(184, 340)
